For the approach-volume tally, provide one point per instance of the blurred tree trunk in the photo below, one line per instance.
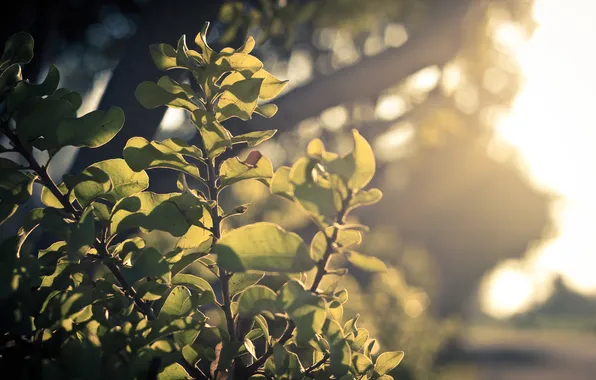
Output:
(436, 42)
(155, 26)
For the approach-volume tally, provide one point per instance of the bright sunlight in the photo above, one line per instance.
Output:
(551, 124)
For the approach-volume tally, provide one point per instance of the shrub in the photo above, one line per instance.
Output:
(101, 303)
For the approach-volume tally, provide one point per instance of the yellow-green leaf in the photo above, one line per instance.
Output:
(262, 247)
(387, 361)
(141, 154)
(233, 170)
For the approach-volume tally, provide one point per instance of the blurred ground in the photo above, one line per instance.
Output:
(508, 354)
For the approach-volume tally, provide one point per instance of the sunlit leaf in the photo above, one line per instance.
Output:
(253, 138)
(216, 138)
(257, 299)
(173, 371)
(305, 309)
(320, 200)
(141, 154)
(242, 281)
(280, 183)
(148, 262)
(92, 130)
(366, 263)
(345, 239)
(262, 247)
(233, 170)
(164, 56)
(173, 213)
(387, 361)
(271, 86)
(239, 100)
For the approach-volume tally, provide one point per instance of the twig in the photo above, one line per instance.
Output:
(312, 368)
(321, 271)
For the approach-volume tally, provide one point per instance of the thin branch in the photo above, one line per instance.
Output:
(312, 368)
(321, 272)
(224, 276)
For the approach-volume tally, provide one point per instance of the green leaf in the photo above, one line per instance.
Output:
(262, 247)
(238, 100)
(48, 199)
(43, 119)
(345, 239)
(174, 213)
(387, 361)
(366, 263)
(147, 262)
(250, 347)
(362, 336)
(239, 282)
(262, 323)
(257, 299)
(182, 147)
(362, 159)
(125, 182)
(271, 86)
(150, 290)
(81, 235)
(266, 110)
(166, 92)
(287, 363)
(9, 78)
(178, 304)
(92, 130)
(233, 170)
(141, 154)
(194, 283)
(197, 237)
(245, 64)
(319, 199)
(280, 183)
(335, 311)
(365, 198)
(254, 138)
(340, 352)
(15, 189)
(164, 56)
(25, 90)
(216, 138)
(173, 372)
(201, 41)
(89, 185)
(306, 310)
(17, 49)
(193, 353)
(361, 363)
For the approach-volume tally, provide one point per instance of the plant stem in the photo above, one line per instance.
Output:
(321, 271)
(49, 183)
(224, 275)
(316, 365)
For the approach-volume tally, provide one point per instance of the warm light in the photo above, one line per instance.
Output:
(172, 119)
(552, 125)
(507, 291)
(390, 107)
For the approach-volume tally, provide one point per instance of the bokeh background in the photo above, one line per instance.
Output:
(481, 114)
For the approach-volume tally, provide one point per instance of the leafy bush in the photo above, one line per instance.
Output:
(100, 302)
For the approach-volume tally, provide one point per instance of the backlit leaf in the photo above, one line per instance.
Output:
(262, 247)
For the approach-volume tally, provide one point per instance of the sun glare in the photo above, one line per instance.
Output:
(551, 124)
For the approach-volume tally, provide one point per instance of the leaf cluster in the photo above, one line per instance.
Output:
(101, 302)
